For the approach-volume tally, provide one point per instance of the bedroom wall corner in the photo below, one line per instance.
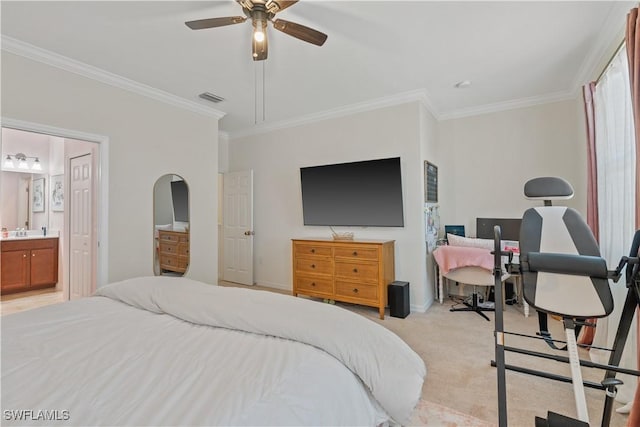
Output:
(428, 152)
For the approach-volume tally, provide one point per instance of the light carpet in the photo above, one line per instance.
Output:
(432, 414)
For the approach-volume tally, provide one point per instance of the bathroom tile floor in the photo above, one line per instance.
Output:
(13, 303)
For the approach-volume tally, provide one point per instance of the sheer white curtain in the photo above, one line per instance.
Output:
(615, 152)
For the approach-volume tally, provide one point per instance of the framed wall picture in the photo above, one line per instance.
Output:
(57, 193)
(37, 195)
(430, 182)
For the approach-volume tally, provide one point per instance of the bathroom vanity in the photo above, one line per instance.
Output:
(28, 263)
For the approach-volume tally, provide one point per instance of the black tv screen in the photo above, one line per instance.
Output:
(366, 193)
(180, 199)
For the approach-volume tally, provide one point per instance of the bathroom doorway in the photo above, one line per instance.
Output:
(55, 150)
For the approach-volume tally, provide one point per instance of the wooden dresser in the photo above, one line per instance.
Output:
(28, 264)
(354, 271)
(173, 250)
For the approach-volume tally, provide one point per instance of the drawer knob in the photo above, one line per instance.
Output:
(313, 283)
(313, 266)
(355, 270)
(24, 255)
(313, 251)
(355, 253)
(355, 290)
(33, 254)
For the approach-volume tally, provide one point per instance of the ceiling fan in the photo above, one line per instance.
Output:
(260, 12)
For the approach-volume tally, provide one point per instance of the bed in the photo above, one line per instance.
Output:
(173, 351)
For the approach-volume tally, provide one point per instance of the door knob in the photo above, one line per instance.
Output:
(249, 233)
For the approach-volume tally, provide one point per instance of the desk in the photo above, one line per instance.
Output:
(486, 279)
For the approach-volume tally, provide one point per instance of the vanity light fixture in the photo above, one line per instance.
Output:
(22, 163)
(36, 166)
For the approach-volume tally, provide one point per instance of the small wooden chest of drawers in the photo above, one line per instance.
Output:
(355, 271)
(173, 250)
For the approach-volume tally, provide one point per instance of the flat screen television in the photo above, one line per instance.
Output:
(366, 193)
(180, 199)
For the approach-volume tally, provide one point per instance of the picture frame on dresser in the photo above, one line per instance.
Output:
(37, 196)
(57, 193)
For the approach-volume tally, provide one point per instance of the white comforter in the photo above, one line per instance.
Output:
(172, 351)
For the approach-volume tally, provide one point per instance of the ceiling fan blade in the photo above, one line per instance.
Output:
(279, 5)
(201, 24)
(301, 32)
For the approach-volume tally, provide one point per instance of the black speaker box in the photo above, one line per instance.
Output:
(398, 293)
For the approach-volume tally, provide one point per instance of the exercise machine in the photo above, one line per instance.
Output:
(563, 274)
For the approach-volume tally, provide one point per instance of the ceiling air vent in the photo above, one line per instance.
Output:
(211, 97)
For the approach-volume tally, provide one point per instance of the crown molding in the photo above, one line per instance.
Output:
(44, 56)
(612, 34)
(419, 95)
(222, 135)
(508, 105)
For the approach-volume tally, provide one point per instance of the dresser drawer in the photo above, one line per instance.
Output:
(304, 250)
(183, 249)
(314, 265)
(365, 271)
(171, 262)
(357, 290)
(168, 247)
(357, 253)
(311, 284)
(173, 237)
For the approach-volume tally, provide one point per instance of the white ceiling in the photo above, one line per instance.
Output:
(513, 52)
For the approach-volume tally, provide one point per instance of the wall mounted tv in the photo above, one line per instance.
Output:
(180, 199)
(366, 194)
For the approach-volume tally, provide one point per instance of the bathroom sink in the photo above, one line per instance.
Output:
(30, 236)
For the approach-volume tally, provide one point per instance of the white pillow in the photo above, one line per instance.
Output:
(455, 240)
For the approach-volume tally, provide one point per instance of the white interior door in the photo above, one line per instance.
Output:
(80, 223)
(238, 227)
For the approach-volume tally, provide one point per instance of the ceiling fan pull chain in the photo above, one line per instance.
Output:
(264, 88)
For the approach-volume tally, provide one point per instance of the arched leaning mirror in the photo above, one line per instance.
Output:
(171, 226)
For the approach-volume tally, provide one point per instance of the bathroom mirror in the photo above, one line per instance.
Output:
(171, 226)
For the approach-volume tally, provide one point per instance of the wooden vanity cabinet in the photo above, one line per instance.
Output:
(28, 264)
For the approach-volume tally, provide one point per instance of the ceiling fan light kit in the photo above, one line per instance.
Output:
(260, 12)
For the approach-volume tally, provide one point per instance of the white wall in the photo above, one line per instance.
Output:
(9, 182)
(276, 158)
(429, 151)
(147, 139)
(486, 159)
(483, 163)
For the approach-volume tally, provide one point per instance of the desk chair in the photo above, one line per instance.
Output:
(474, 276)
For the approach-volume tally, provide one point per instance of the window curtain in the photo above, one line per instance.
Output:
(588, 91)
(616, 168)
(632, 40)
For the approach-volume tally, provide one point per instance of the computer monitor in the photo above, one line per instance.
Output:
(509, 227)
(458, 230)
